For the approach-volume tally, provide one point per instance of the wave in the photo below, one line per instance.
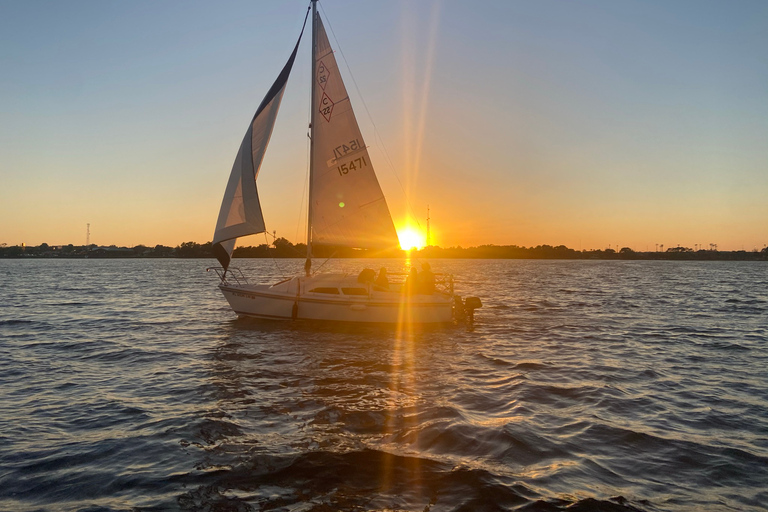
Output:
(374, 480)
(14, 321)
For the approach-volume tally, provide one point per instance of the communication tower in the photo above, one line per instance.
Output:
(87, 234)
(427, 243)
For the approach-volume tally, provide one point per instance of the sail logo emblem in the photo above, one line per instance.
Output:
(322, 75)
(326, 107)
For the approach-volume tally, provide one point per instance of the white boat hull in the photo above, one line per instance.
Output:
(299, 298)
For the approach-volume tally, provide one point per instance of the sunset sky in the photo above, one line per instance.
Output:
(584, 123)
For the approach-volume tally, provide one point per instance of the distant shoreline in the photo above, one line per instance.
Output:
(282, 248)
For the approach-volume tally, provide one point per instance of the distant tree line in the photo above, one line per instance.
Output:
(282, 248)
(562, 252)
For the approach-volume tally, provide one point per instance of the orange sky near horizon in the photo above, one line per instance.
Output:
(519, 123)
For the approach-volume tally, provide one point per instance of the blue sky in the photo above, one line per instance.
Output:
(588, 124)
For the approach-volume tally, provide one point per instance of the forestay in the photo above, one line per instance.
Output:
(348, 207)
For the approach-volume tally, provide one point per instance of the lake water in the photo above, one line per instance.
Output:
(594, 385)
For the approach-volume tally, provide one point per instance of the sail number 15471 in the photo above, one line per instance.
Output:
(355, 163)
(349, 147)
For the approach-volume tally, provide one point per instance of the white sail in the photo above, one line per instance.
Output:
(348, 207)
(240, 213)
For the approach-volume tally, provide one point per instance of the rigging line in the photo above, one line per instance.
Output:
(326, 261)
(274, 260)
(306, 176)
(376, 133)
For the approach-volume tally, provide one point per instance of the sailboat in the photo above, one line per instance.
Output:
(346, 209)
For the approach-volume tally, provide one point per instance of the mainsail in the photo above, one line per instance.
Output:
(347, 207)
(240, 213)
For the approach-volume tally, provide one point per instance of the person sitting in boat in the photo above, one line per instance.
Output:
(382, 282)
(366, 276)
(411, 281)
(426, 280)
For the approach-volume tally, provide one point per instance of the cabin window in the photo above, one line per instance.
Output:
(322, 289)
(354, 291)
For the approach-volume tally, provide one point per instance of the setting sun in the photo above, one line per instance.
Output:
(410, 238)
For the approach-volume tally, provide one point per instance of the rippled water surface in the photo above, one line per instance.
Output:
(129, 384)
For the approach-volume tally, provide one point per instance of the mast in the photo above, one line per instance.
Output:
(308, 263)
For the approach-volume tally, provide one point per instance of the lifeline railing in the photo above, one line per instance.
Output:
(443, 282)
(232, 273)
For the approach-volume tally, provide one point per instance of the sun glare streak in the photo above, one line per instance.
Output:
(402, 381)
(426, 84)
(416, 88)
(402, 377)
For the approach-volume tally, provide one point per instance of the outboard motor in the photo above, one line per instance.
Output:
(470, 305)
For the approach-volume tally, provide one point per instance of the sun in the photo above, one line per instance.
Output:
(410, 238)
